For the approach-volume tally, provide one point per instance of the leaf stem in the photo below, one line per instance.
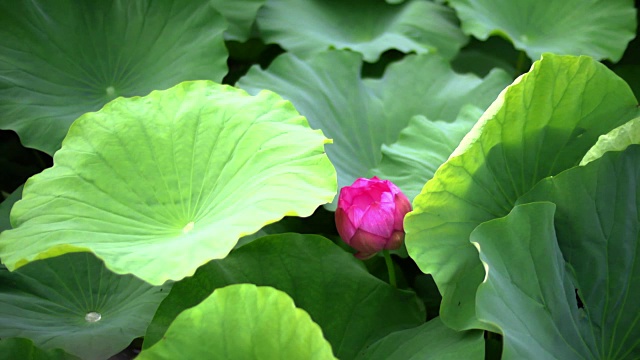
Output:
(520, 63)
(390, 268)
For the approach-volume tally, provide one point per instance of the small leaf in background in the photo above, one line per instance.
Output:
(598, 230)
(421, 148)
(362, 114)
(353, 308)
(240, 16)
(364, 26)
(432, 338)
(598, 28)
(63, 58)
(24, 349)
(540, 126)
(5, 209)
(242, 321)
(74, 303)
(159, 185)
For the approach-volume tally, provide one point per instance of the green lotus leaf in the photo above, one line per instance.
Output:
(421, 148)
(62, 58)
(240, 14)
(362, 114)
(5, 208)
(353, 308)
(599, 28)
(432, 339)
(598, 230)
(245, 322)
(24, 349)
(365, 26)
(74, 303)
(159, 185)
(616, 140)
(541, 125)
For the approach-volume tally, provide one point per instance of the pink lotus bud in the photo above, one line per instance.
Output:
(370, 214)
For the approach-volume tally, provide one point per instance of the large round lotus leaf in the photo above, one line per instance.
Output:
(63, 58)
(598, 28)
(240, 14)
(369, 27)
(421, 148)
(598, 231)
(616, 140)
(158, 185)
(353, 307)
(242, 321)
(74, 303)
(25, 349)
(541, 125)
(432, 340)
(362, 114)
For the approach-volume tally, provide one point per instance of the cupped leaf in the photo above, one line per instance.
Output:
(62, 58)
(616, 140)
(421, 148)
(365, 26)
(362, 114)
(600, 28)
(240, 15)
(25, 349)
(541, 125)
(242, 321)
(431, 340)
(353, 307)
(159, 185)
(598, 231)
(74, 303)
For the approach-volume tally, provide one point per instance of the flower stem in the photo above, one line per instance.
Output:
(390, 268)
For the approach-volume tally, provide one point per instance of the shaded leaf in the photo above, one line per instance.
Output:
(56, 303)
(362, 114)
(421, 148)
(599, 28)
(24, 349)
(365, 26)
(62, 58)
(432, 339)
(353, 307)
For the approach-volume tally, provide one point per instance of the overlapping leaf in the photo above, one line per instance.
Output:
(600, 28)
(598, 232)
(421, 148)
(541, 125)
(24, 349)
(616, 140)
(242, 321)
(74, 303)
(368, 27)
(362, 114)
(158, 185)
(432, 339)
(240, 16)
(353, 307)
(62, 58)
